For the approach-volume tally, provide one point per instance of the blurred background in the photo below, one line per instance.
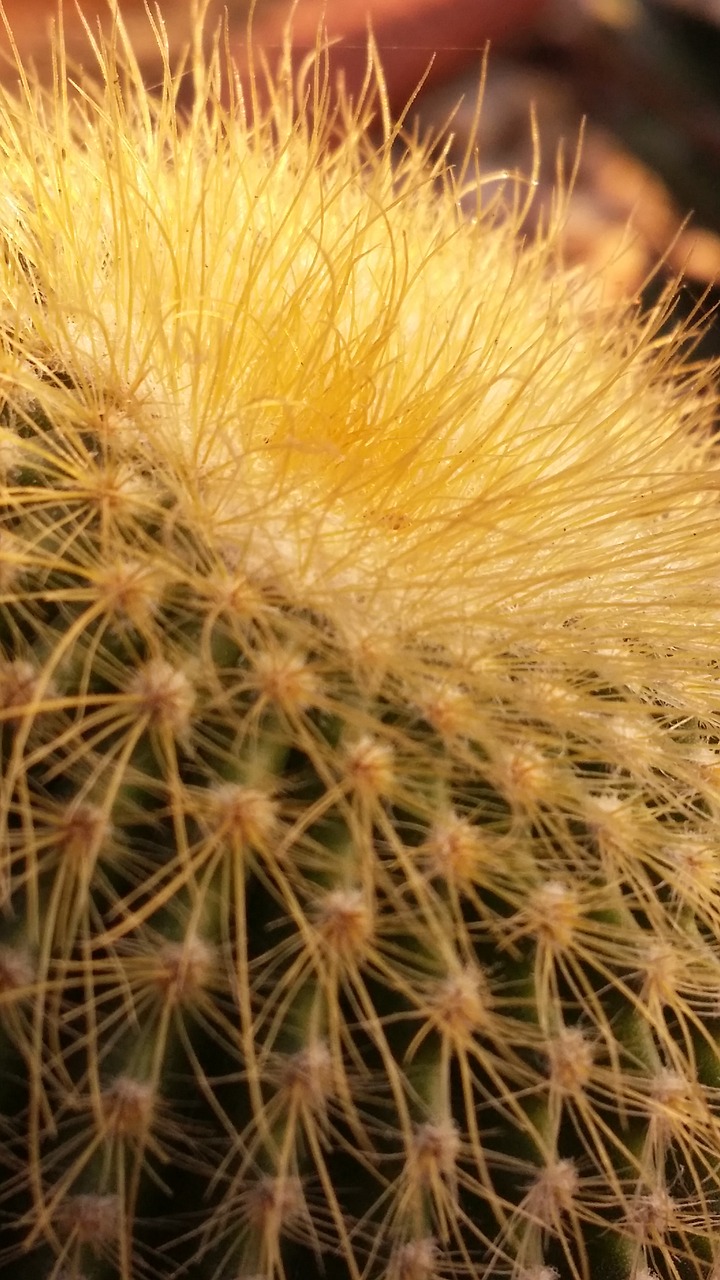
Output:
(645, 75)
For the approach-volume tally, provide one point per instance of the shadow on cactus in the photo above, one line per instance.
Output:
(359, 714)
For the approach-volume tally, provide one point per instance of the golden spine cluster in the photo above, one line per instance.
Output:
(359, 711)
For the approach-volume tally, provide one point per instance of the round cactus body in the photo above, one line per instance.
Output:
(359, 716)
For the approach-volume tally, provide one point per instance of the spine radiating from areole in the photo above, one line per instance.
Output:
(359, 715)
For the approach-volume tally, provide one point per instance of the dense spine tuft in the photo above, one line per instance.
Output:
(359, 720)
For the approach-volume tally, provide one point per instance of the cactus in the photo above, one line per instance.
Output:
(358, 711)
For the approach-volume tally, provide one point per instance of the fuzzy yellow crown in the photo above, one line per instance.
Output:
(382, 400)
